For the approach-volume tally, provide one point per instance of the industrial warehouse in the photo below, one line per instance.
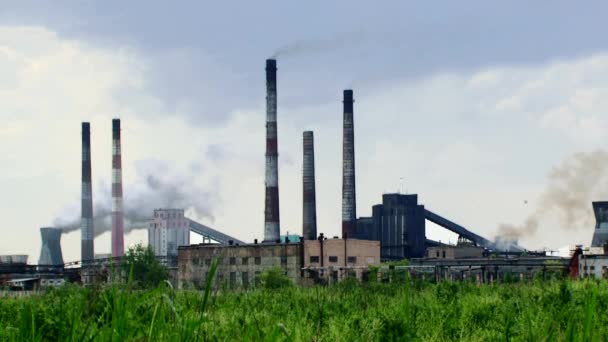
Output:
(395, 231)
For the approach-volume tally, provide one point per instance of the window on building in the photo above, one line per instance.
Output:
(592, 268)
(245, 279)
(257, 260)
(283, 259)
(257, 278)
(314, 259)
(208, 261)
(438, 254)
(352, 259)
(585, 268)
(333, 258)
(245, 260)
(232, 279)
(196, 261)
(443, 254)
(232, 261)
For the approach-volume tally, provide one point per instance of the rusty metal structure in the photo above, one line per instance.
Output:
(349, 200)
(117, 205)
(309, 202)
(87, 234)
(272, 225)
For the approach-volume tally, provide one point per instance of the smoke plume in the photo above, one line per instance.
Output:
(572, 186)
(311, 46)
(157, 187)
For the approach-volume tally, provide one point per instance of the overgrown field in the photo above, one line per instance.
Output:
(541, 311)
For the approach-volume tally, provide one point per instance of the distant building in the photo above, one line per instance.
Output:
(593, 262)
(304, 263)
(454, 252)
(399, 224)
(600, 234)
(168, 230)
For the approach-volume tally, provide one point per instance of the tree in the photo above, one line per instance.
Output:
(142, 268)
(275, 278)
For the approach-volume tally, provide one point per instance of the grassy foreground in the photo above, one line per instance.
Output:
(543, 311)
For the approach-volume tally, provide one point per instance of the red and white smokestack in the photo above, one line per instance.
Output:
(87, 250)
(309, 210)
(117, 209)
(349, 200)
(271, 212)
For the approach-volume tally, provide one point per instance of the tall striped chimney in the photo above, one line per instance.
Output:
(349, 201)
(87, 249)
(309, 209)
(118, 248)
(271, 212)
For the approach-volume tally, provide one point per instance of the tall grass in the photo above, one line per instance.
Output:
(409, 310)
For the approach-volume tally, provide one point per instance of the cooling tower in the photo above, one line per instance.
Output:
(271, 212)
(50, 253)
(600, 234)
(309, 202)
(87, 251)
(117, 208)
(349, 204)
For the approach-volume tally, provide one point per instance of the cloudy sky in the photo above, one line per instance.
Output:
(479, 107)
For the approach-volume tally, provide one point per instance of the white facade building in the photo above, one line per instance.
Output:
(168, 230)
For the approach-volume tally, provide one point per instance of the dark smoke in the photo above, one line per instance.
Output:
(311, 46)
(157, 188)
(572, 186)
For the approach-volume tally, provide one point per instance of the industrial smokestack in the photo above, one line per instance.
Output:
(87, 249)
(271, 212)
(309, 214)
(50, 253)
(349, 203)
(117, 209)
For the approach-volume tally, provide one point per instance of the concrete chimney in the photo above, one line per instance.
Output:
(309, 210)
(349, 203)
(87, 249)
(50, 253)
(118, 248)
(272, 227)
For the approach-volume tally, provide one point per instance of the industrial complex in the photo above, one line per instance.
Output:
(395, 231)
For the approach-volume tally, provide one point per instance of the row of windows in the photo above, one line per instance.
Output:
(332, 258)
(592, 268)
(169, 215)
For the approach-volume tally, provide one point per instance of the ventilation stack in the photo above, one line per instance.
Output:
(87, 249)
(117, 209)
(349, 204)
(50, 253)
(309, 210)
(271, 212)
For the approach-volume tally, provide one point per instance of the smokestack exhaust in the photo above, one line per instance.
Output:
(309, 210)
(50, 253)
(271, 212)
(118, 248)
(349, 204)
(87, 248)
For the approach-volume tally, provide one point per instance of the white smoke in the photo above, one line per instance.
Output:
(158, 186)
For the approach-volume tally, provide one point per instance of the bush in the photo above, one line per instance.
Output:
(275, 278)
(142, 267)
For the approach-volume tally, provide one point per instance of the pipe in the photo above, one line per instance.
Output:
(349, 204)
(117, 207)
(87, 248)
(309, 202)
(271, 212)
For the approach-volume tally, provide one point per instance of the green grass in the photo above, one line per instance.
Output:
(540, 311)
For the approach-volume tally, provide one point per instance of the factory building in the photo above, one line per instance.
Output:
(304, 263)
(454, 252)
(239, 265)
(168, 230)
(399, 224)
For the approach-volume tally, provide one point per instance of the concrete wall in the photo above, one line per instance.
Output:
(240, 266)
